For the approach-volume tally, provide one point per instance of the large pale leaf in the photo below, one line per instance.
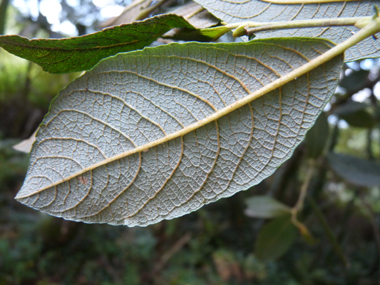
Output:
(261, 11)
(82, 53)
(118, 147)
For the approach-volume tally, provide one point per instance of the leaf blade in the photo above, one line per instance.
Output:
(275, 238)
(177, 165)
(82, 53)
(355, 170)
(265, 207)
(259, 11)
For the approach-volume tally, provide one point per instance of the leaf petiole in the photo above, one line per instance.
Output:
(249, 28)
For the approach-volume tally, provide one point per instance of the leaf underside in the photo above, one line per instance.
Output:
(258, 11)
(195, 16)
(85, 146)
(82, 53)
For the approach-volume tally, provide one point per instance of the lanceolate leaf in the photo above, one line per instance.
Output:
(355, 170)
(260, 11)
(82, 53)
(124, 143)
(275, 238)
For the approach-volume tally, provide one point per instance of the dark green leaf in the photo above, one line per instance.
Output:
(317, 136)
(265, 207)
(275, 238)
(355, 170)
(82, 53)
(355, 81)
(360, 119)
(349, 107)
(355, 115)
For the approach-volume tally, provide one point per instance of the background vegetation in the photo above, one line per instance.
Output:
(221, 243)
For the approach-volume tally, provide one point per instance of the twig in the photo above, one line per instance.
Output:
(299, 205)
(173, 250)
(330, 235)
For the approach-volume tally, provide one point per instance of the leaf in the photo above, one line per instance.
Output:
(82, 53)
(203, 35)
(137, 10)
(275, 238)
(260, 11)
(355, 170)
(349, 107)
(198, 18)
(359, 119)
(355, 81)
(317, 137)
(355, 115)
(150, 135)
(26, 145)
(196, 15)
(265, 207)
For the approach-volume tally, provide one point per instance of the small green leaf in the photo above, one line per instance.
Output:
(82, 53)
(355, 114)
(275, 238)
(355, 170)
(349, 107)
(265, 207)
(209, 34)
(215, 32)
(317, 137)
(359, 119)
(355, 81)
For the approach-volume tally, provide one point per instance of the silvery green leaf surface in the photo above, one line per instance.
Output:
(261, 11)
(122, 145)
(195, 15)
